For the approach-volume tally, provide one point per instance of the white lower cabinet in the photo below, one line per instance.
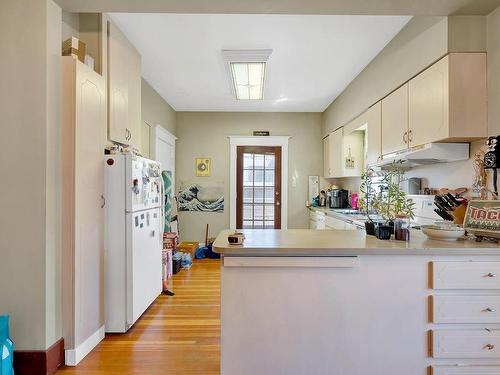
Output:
(465, 275)
(465, 309)
(465, 343)
(465, 312)
(466, 370)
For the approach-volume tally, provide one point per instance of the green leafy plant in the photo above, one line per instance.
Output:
(368, 192)
(391, 202)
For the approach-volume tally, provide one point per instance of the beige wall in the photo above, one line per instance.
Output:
(155, 110)
(70, 25)
(29, 234)
(493, 48)
(205, 134)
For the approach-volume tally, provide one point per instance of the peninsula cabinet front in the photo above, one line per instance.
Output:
(361, 314)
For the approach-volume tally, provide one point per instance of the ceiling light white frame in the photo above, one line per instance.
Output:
(280, 141)
(244, 56)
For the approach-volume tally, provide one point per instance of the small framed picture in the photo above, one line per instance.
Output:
(203, 167)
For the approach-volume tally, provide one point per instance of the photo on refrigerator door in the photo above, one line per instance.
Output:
(202, 197)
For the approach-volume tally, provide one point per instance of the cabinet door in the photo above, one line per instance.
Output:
(124, 88)
(353, 157)
(335, 154)
(134, 98)
(326, 157)
(428, 105)
(374, 133)
(89, 140)
(395, 121)
(118, 81)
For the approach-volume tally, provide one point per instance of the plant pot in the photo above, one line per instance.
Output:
(370, 228)
(384, 232)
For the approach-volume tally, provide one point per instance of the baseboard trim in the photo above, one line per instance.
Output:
(39, 362)
(74, 356)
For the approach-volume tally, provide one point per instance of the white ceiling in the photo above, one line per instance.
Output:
(314, 57)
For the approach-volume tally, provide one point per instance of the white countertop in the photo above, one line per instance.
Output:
(309, 242)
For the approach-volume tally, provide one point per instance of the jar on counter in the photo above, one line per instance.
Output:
(402, 229)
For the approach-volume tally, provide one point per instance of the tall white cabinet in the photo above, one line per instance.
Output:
(124, 88)
(83, 140)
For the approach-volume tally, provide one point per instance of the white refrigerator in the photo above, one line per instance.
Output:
(133, 238)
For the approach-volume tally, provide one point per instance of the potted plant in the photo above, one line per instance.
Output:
(367, 197)
(391, 202)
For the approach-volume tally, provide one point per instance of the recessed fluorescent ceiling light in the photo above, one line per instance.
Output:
(247, 70)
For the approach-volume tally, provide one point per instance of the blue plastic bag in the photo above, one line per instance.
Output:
(6, 347)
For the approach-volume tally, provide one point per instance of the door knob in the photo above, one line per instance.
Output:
(277, 203)
(103, 201)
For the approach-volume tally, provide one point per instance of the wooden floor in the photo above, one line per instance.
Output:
(176, 335)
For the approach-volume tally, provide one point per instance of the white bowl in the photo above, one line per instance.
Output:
(443, 233)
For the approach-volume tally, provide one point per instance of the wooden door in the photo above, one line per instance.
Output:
(428, 105)
(395, 121)
(258, 184)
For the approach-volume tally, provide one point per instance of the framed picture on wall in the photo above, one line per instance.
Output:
(203, 167)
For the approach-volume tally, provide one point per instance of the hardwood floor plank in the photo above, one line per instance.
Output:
(177, 335)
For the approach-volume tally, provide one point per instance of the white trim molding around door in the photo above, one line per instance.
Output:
(276, 141)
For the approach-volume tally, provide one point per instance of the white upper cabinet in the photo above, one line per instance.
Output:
(395, 121)
(326, 156)
(124, 88)
(428, 104)
(374, 133)
(448, 101)
(332, 153)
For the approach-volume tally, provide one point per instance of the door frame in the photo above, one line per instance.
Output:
(159, 134)
(276, 141)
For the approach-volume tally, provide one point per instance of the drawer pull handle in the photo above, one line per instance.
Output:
(491, 274)
(489, 346)
(489, 309)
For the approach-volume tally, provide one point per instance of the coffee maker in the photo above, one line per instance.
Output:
(339, 198)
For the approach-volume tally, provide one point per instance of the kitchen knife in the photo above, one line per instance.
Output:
(456, 203)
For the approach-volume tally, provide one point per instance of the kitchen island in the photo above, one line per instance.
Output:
(339, 302)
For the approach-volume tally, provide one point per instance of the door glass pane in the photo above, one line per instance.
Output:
(247, 212)
(259, 178)
(247, 224)
(269, 212)
(247, 195)
(269, 161)
(258, 195)
(269, 178)
(258, 212)
(268, 224)
(248, 178)
(247, 161)
(269, 197)
(259, 161)
(258, 225)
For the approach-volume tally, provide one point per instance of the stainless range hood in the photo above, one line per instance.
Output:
(430, 153)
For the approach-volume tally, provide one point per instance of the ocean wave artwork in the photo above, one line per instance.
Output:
(201, 197)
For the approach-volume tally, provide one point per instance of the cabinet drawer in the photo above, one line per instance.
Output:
(465, 370)
(465, 344)
(465, 309)
(465, 275)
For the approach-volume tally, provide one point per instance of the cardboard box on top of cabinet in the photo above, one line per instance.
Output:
(74, 47)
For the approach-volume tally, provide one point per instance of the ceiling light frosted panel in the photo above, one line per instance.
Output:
(248, 80)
